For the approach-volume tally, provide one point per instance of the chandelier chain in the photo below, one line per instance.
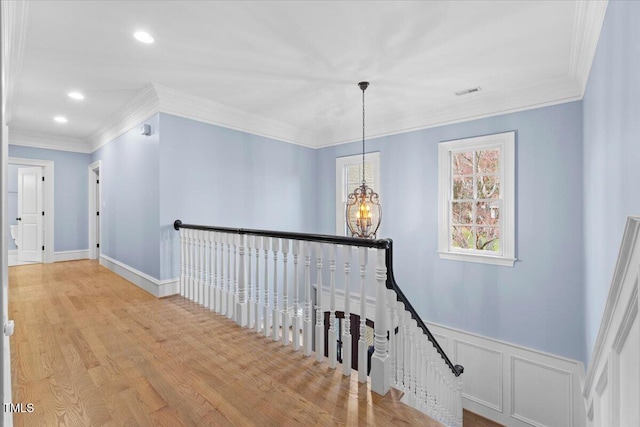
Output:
(364, 181)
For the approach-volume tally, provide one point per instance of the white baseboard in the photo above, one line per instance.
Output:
(514, 385)
(157, 288)
(70, 255)
(13, 259)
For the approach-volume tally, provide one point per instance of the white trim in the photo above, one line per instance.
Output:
(139, 108)
(588, 20)
(623, 265)
(502, 401)
(14, 36)
(157, 288)
(341, 196)
(26, 138)
(49, 195)
(204, 110)
(62, 256)
(506, 142)
(93, 208)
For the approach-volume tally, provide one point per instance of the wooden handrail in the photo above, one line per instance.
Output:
(386, 244)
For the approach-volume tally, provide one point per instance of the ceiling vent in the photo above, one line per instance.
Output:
(466, 91)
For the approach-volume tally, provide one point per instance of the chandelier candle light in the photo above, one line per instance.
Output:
(363, 213)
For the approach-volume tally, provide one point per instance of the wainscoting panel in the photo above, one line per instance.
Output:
(485, 385)
(515, 385)
(527, 400)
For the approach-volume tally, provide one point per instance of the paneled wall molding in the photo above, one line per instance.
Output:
(157, 288)
(515, 385)
(27, 138)
(589, 16)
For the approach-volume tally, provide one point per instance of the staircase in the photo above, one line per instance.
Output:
(262, 280)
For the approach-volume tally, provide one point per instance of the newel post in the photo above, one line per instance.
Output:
(241, 305)
(380, 363)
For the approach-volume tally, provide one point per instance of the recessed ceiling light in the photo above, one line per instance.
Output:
(76, 95)
(60, 119)
(143, 37)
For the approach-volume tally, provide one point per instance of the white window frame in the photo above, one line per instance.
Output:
(506, 142)
(341, 192)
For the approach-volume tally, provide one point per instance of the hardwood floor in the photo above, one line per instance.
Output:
(92, 349)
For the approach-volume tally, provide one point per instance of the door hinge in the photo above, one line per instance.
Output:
(43, 247)
(98, 245)
(42, 213)
(98, 213)
(43, 178)
(98, 181)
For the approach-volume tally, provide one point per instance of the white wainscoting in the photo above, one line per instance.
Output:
(514, 385)
(157, 288)
(612, 386)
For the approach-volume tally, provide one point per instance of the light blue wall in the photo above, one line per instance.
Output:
(611, 153)
(218, 176)
(537, 303)
(131, 202)
(71, 193)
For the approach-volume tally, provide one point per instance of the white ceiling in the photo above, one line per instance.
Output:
(289, 70)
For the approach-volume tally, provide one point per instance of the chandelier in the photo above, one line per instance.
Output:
(363, 213)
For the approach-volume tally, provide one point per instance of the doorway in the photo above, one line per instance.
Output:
(30, 200)
(95, 203)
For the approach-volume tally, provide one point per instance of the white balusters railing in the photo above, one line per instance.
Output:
(221, 270)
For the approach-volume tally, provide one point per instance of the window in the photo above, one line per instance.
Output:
(348, 177)
(476, 199)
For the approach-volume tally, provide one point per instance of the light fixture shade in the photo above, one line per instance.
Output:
(363, 213)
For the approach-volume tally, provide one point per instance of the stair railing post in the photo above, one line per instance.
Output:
(212, 260)
(296, 304)
(333, 334)
(285, 293)
(306, 323)
(266, 310)
(380, 366)
(346, 340)
(250, 293)
(275, 313)
(183, 274)
(363, 350)
(257, 311)
(319, 312)
(192, 269)
(233, 292)
(216, 271)
(241, 307)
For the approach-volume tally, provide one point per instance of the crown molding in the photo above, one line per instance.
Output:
(14, 28)
(551, 91)
(587, 24)
(193, 107)
(139, 108)
(28, 138)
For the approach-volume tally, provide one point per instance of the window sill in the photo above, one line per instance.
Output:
(478, 258)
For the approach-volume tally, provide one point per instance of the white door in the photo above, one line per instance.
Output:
(30, 218)
(97, 214)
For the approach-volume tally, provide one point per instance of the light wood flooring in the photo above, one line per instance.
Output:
(92, 349)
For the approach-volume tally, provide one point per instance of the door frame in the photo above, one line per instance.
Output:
(48, 197)
(93, 239)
